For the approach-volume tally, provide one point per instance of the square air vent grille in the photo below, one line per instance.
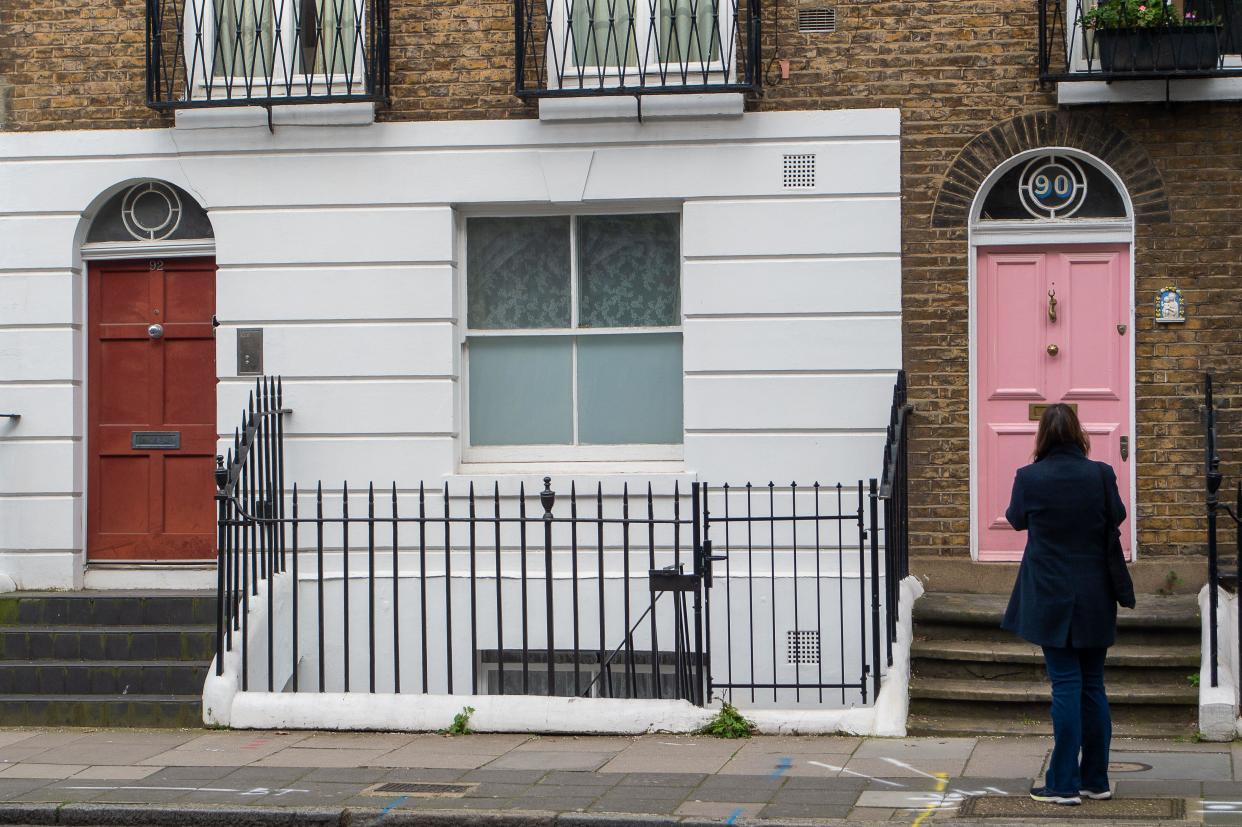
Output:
(817, 20)
(799, 172)
(803, 647)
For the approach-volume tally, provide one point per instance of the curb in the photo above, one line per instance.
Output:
(142, 815)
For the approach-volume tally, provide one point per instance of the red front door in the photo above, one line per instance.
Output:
(1053, 326)
(152, 400)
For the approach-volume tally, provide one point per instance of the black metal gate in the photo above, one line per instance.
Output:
(782, 594)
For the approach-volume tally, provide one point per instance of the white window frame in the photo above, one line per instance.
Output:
(1081, 42)
(575, 453)
(647, 67)
(283, 82)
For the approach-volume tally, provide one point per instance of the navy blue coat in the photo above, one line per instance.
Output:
(1063, 595)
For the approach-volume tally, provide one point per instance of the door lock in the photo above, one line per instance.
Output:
(156, 331)
(1053, 350)
(1125, 448)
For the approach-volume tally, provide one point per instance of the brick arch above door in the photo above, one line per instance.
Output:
(990, 149)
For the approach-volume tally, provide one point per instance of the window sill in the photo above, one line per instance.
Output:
(1081, 92)
(586, 476)
(590, 108)
(306, 114)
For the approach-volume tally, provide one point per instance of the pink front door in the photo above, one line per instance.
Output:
(1032, 352)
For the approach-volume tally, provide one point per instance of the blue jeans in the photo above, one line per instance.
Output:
(1080, 720)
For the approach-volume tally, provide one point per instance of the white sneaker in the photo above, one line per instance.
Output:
(1102, 795)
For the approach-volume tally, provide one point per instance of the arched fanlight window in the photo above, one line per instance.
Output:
(1053, 186)
(150, 211)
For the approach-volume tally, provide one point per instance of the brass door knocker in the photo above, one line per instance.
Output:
(1052, 306)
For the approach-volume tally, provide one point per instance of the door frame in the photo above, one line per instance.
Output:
(1046, 233)
(123, 251)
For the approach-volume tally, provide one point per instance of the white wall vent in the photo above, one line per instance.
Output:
(799, 171)
(803, 647)
(817, 20)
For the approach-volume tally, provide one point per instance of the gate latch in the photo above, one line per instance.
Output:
(671, 579)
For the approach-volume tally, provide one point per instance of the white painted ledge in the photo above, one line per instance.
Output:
(308, 114)
(145, 577)
(1218, 705)
(654, 107)
(1082, 92)
(224, 704)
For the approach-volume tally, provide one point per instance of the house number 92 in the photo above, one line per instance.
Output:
(156, 264)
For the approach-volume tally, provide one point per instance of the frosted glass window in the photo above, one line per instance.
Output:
(520, 390)
(603, 32)
(519, 273)
(628, 270)
(629, 389)
(574, 335)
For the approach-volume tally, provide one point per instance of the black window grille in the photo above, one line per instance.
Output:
(636, 47)
(265, 52)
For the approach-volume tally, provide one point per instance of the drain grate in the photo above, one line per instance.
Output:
(1015, 807)
(422, 789)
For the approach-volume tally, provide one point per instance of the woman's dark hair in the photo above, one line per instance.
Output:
(1059, 426)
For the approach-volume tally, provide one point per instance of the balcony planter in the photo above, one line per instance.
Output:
(1159, 49)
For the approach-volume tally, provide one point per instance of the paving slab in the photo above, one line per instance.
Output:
(115, 773)
(659, 753)
(33, 770)
(1199, 766)
(916, 749)
(299, 757)
(101, 751)
(572, 743)
(719, 810)
(224, 749)
(357, 740)
(551, 760)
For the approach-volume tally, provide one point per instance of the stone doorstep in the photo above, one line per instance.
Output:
(1153, 611)
(988, 651)
(1040, 692)
(959, 574)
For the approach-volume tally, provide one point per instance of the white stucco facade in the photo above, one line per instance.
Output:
(344, 244)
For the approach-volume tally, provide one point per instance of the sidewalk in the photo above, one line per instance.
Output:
(194, 777)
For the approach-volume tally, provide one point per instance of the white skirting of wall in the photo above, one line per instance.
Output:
(225, 705)
(1218, 705)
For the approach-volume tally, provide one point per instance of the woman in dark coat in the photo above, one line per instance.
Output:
(1065, 599)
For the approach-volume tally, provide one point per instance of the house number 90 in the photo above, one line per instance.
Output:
(156, 264)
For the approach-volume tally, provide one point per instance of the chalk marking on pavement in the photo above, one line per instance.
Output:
(942, 781)
(734, 816)
(906, 766)
(782, 766)
(397, 803)
(1220, 806)
(859, 774)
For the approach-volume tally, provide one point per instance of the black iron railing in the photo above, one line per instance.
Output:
(894, 493)
(649, 590)
(250, 507)
(1212, 483)
(1115, 40)
(265, 52)
(636, 47)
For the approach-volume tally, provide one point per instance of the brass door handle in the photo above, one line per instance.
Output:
(1053, 350)
(1052, 306)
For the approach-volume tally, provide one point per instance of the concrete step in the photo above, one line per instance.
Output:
(1151, 611)
(922, 724)
(116, 643)
(102, 710)
(45, 677)
(108, 608)
(1006, 691)
(1017, 651)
